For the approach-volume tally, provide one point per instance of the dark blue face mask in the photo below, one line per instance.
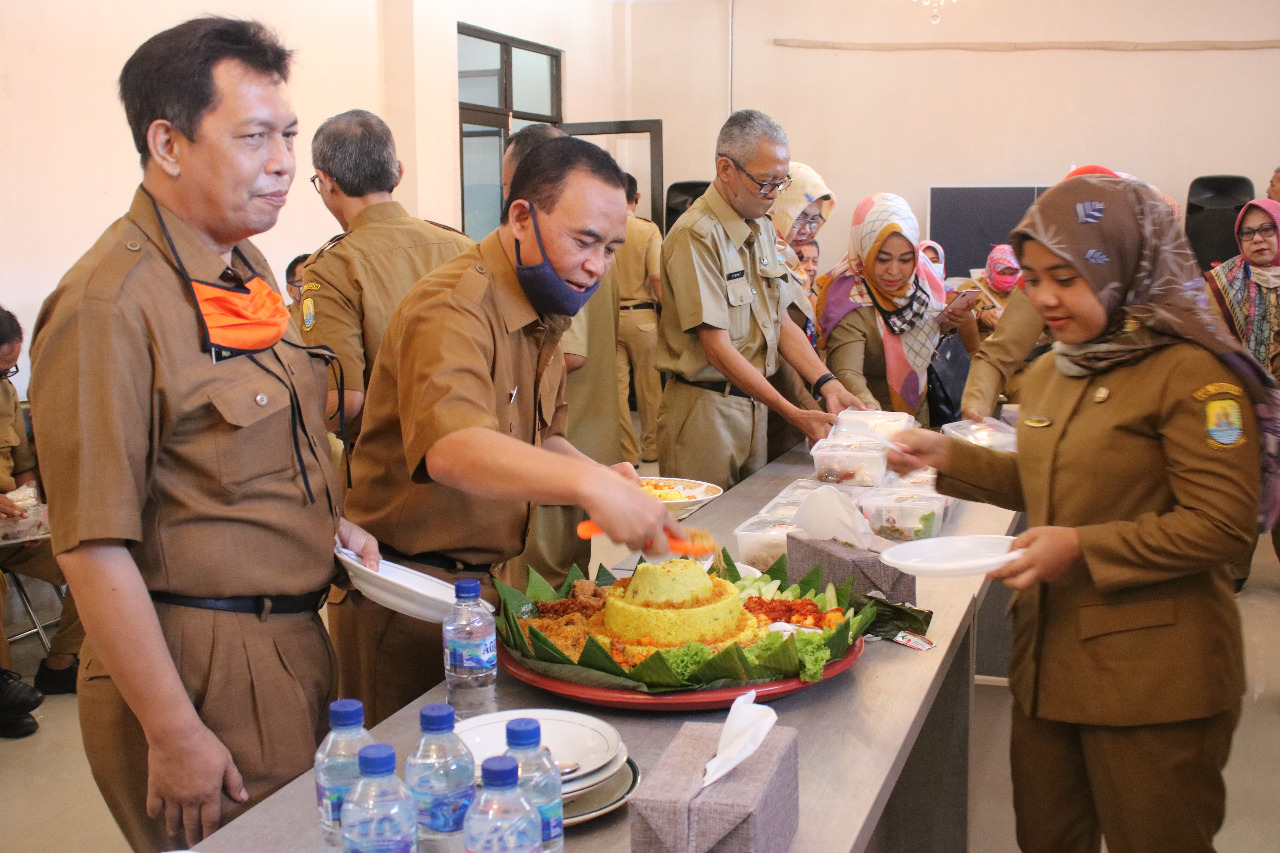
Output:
(546, 291)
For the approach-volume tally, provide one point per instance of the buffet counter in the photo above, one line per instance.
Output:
(884, 747)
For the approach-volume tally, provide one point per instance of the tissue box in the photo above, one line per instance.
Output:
(754, 809)
(840, 562)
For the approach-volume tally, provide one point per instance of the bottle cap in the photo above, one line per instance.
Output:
(345, 713)
(378, 759)
(500, 771)
(436, 718)
(523, 732)
(466, 588)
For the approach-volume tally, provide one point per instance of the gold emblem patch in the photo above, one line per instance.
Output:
(311, 285)
(308, 313)
(1215, 388)
(1224, 423)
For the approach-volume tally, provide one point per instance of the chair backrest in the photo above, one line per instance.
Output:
(680, 195)
(1213, 203)
(1219, 191)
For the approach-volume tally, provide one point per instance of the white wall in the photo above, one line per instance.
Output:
(901, 122)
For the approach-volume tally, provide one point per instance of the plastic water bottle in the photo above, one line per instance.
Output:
(337, 765)
(378, 815)
(502, 820)
(470, 654)
(441, 775)
(539, 779)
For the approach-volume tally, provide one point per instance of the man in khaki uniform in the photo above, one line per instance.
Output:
(34, 559)
(723, 323)
(351, 284)
(638, 268)
(465, 416)
(349, 288)
(180, 422)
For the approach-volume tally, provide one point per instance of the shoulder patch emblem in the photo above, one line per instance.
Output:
(308, 313)
(1224, 423)
(1215, 388)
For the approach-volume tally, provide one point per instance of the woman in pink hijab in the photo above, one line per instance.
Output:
(1246, 288)
(997, 281)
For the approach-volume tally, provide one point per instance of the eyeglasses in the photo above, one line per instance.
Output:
(1263, 231)
(766, 187)
(315, 181)
(810, 221)
(10, 373)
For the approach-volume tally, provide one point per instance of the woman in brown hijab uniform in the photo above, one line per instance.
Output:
(1141, 442)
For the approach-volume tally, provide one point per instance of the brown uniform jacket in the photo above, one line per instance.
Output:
(1003, 353)
(855, 354)
(146, 439)
(463, 349)
(16, 455)
(351, 286)
(639, 258)
(1163, 491)
(720, 270)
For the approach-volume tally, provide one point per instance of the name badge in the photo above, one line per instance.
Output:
(739, 274)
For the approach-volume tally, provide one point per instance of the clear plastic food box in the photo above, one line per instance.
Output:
(34, 526)
(854, 462)
(989, 433)
(762, 539)
(850, 421)
(919, 480)
(904, 516)
(789, 499)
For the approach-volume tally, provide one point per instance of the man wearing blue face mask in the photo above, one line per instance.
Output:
(465, 414)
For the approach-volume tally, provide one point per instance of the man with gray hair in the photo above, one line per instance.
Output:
(350, 286)
(724, 322)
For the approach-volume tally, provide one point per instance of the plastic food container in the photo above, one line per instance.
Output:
(34, 526)
(919, 480)
(850, 421)
(789, 499)
(762, 539)
(904, 516)
(854, 462)
(989, 433)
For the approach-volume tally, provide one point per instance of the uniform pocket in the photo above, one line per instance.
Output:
(254, 438)
(740, 295)
(1097, 620)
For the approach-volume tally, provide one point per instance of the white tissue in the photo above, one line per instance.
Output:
(745, 729)
(827, 514)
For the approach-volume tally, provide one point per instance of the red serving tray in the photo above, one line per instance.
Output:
(676, 700)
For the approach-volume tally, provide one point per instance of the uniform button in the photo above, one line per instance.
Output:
(480, 268)
(261, 399)
(1101, 395)
(133, 246)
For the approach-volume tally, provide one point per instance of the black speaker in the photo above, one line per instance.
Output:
(1213, 204)
(680, 195)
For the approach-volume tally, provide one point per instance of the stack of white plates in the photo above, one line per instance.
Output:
(598, 776)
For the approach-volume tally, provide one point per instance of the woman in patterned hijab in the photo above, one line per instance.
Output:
(1246, 288)
(883, 308)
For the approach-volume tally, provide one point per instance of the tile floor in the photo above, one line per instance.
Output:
(48, 800)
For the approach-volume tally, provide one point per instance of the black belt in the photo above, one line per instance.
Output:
(719, 387)
(437, 560)
(261, 604)
(652, 306)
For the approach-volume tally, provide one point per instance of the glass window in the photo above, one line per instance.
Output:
(531, 82)
(482, 179)
(479, 72)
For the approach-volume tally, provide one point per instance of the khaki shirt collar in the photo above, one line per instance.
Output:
(737, 228)
(513, 305)
(201, 262)
(376, 213)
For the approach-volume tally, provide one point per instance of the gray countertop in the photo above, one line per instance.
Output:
(857, 731)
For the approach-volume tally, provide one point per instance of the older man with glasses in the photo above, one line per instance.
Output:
(724, 325)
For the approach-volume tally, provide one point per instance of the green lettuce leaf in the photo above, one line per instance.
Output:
(687, 659)
(811, 649)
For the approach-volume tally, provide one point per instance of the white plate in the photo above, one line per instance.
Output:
(951, 556)
(701, 492)
(605, 797)
(570, 736)
(576, 786)
(402, 589)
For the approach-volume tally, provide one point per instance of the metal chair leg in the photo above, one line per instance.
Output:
(31, 614)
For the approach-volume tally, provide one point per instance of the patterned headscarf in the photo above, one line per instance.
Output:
(1248, 297)
(1124, 240)
(908, 319)
(1001, 257)
(942, 255)
(806, 187)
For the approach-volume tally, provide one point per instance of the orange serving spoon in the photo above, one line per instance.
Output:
(588, 529)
